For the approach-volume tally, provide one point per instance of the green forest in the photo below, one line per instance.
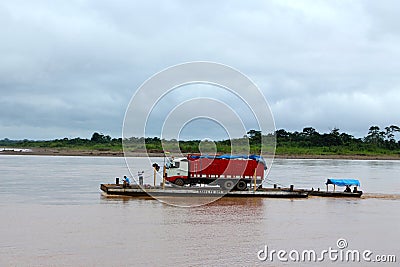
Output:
(307, 142)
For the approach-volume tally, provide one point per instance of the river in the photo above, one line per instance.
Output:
(53, 214)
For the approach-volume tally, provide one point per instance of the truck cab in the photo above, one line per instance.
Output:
(177, 170)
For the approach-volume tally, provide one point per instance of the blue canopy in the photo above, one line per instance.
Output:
(343, 182)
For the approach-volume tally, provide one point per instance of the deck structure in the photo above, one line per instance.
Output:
(137, 191)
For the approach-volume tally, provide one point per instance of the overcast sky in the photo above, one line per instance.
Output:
(69, 68)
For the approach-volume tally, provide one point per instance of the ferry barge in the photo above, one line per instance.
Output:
(220, 175)
(196, 191)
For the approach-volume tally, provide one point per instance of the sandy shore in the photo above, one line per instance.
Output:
(97, 153)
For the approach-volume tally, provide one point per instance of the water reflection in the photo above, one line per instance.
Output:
(233, 201)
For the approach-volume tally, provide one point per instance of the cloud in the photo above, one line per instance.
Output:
(69, 68)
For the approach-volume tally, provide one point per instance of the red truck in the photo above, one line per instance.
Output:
(227, 171)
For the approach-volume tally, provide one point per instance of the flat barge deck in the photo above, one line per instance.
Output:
(137, 191)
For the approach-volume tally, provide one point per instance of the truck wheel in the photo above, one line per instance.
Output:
(241, 185)
(228, 185)
(179, 182)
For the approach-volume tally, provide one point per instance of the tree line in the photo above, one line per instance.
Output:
(309, 137)
(97, 141)
(308, 141)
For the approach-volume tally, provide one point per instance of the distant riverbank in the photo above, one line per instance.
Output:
(308, 144)
(101, 153)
